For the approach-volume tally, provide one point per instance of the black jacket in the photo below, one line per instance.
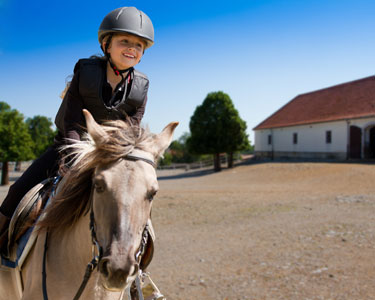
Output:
(89, 89)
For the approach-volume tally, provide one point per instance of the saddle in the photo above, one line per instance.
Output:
(28, 211)
(22, 223)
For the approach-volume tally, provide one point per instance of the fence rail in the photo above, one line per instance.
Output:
(195, 165)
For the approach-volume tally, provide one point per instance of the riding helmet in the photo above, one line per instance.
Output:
(128, 20)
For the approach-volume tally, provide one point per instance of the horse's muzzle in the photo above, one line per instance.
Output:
(116, 275)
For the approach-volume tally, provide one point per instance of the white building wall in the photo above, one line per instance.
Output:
(363, 122)
(311, 139)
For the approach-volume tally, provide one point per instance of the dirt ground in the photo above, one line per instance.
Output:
(266, 231)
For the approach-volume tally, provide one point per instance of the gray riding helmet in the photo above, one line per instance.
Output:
(128, 20)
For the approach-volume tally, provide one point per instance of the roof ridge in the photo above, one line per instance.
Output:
(337, 85)
(302, 109)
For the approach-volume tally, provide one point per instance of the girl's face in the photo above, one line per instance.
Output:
(126, 50)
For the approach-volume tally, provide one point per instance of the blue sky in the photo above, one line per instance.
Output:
(262, 53)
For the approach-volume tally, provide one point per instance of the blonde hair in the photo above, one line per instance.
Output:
(63, 93)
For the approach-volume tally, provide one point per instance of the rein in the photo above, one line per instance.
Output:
(97, 250)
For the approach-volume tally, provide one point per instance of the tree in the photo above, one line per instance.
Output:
(4, 106)
(15, 143)
(41, 133)
(216, 127)
(180, 152)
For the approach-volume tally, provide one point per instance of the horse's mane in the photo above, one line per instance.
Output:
(72, 201)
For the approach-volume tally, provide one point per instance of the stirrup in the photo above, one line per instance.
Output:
(149, 289)
(144, 289)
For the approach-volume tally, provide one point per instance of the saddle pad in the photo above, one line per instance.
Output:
(27, 211)
(21, 236)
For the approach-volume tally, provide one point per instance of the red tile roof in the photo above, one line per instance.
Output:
(349, 100)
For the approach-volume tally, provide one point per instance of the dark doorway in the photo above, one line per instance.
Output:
(372, 143)
(355, 142)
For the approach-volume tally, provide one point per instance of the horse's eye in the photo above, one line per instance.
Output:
(99, 186)
(150, 195)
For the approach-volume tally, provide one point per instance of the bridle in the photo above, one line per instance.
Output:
(97, 250)
(135, 158)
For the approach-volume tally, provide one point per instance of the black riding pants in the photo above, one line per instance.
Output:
(42, 168)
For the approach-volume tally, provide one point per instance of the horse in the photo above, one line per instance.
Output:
(103, 202)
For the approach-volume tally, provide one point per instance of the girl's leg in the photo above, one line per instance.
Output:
(43, 167)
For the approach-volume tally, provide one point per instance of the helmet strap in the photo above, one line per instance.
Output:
(108, 56)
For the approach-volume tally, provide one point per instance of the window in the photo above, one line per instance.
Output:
(295, 138)
(269, 139)
(328, 137)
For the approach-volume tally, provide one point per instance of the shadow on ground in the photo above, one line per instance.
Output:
(253, 161)
(202, 172)
(187, 174)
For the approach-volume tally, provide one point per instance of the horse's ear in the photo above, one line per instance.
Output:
(164, 139)
(93, 128)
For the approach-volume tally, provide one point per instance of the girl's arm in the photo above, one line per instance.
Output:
(137, 117)
(74, 121)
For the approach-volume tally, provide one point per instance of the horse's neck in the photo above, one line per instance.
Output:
(71, 248)
(67, 257)
(71, 252)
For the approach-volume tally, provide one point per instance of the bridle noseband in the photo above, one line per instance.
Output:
(136, 157)
(97, 250)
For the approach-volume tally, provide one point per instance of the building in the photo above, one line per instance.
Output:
(332, 123)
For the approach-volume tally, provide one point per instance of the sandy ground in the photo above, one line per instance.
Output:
(266, 231)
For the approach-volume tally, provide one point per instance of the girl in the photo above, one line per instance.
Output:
(109, 87)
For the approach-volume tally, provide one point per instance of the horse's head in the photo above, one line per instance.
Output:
(122, 196)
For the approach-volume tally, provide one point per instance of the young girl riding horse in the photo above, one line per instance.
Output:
(109, 87)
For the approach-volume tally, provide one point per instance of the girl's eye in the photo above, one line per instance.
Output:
(137, 46)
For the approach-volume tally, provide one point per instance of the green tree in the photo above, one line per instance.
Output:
(15, 143)
(216, 127)
(166, 160)
(4, 106)
(41, 133)
(180, 152)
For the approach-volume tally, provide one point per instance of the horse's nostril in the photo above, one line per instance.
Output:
(103, 267)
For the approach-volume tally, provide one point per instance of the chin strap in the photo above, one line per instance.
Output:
(114, 68)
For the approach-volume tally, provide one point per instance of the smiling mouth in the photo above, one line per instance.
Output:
(129, 56)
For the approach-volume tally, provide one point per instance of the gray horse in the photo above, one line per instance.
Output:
(112, 181)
